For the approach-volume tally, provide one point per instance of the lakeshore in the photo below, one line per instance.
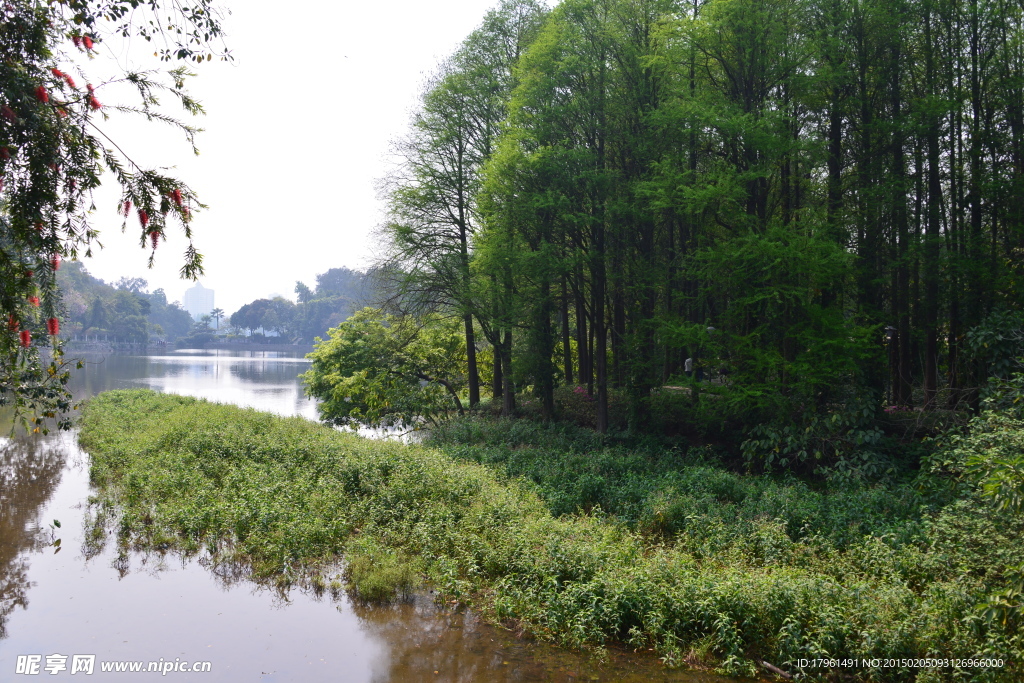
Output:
(724, 571)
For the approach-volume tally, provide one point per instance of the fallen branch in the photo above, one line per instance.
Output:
(776, 670)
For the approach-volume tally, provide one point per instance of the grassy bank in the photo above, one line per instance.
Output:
(707, 567)
(686, 495)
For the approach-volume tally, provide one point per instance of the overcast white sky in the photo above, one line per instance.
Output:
(296, 132)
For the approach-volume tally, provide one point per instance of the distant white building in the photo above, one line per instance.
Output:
(198, 301)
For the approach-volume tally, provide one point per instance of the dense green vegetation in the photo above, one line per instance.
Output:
(811, 205)
(674, 491)
(708, 567)
(388, 371)
(814, 200)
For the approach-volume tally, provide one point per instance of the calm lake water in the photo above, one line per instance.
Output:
(62, 600)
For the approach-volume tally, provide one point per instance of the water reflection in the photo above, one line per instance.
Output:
(30, 471)
(428, 643)
(94, 597)
(264, 380)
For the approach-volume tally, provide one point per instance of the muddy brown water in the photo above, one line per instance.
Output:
(62, 602)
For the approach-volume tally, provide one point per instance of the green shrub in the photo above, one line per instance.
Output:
(379, 574)
(666, 492)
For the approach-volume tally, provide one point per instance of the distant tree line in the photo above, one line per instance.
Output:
(122, 312)
(338, 294)
(126, 311)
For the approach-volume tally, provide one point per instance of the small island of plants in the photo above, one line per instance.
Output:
(571, 536)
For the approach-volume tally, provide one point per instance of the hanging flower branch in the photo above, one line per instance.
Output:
(54, 146)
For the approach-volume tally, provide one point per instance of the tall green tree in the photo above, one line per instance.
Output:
(432, 198)
(816, 197)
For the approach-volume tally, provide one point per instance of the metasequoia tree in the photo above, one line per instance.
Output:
(819, 199)
(432, 195)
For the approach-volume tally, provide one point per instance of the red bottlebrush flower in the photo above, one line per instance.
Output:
(29, 273)
(70, 81)
(77, 40)
(154, 237)
(12, 323)
(26, 338)
(5, 153)
(143, 217)
(34, 300)
(88, 86)
(42, 95)
(176, 196)
(62, 113)
(39, 227)
(94, 103)
(57, 72)
(87, 41)
(126, 208)
(8, 113)
(53, 326)
(188, 213)
(55, 261)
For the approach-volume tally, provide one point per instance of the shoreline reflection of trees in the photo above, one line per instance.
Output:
(419, 635)
(30, 471)
(267, 372)
(425, 638)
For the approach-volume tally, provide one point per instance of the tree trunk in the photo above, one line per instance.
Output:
(474, 374)
(566, 336)
(598, 325)
(497, 381)
(931, 244)
(508, 397)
